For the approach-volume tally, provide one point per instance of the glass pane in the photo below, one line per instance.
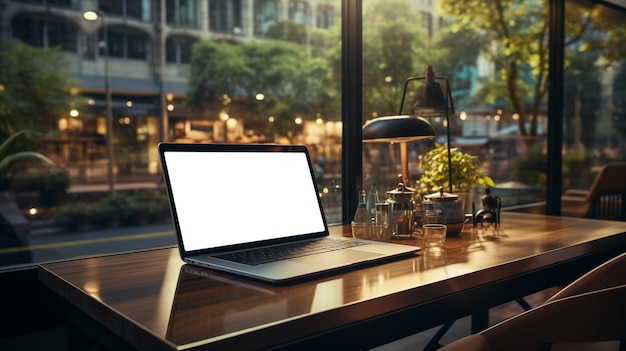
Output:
(225, 16)
(62, 34)
(117, 42)
(181, 12)
(137, 46)
(28, 30)
(111, 7)
(134, 8)
(265, 15)
(498, 89)
(594, 107)
(108, 195)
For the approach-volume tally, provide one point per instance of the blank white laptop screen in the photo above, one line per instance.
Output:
(227, 198)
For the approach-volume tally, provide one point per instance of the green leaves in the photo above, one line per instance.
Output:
(34, 86)
(465, 170)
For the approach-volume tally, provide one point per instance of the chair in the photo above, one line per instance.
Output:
(606, 275)
(597, 316)
(606, 199)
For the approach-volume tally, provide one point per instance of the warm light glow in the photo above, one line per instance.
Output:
(226, 99)
(1, 87)
(515, 116)
(90, 15)
(62, 124)
(231, 124)
(388, 79)
(170, 107)
(33, 211)
(129, 103)
(124, 120)
(462, 116)
(169, 97)
(74, 113)
(271, 119)
(91, 102)
(260, 97)
(298, 120)
(101, 126)
(496, 118)
(499, 111)
(93, 289)
(224, 116)
(319, 120)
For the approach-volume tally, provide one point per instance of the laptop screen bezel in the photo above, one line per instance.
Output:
(165, 147)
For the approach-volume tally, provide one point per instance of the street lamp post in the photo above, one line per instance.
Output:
(93, 15)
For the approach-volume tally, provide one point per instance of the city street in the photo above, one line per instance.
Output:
(45, 246)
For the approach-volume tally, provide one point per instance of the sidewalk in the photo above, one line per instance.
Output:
(104, 187)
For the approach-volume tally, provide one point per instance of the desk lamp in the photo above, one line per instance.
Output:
(433, 101)
(399, 129)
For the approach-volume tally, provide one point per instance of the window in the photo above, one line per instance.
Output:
(265, 15)
(299, 12)
(126, 43)
(178, 49)
(225, 16)
(325, 16)
(486, 122)
(182, 13)
(273, 91)
(594, 107)
(45, 33)
(139, 9)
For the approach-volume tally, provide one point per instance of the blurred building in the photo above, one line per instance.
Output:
(148, 55)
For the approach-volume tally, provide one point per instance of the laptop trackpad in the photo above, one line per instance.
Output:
(336, 258)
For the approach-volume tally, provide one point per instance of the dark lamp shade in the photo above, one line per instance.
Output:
(430, 101)
(401, 128)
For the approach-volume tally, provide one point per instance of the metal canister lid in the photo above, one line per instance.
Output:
(401, 192)
(441, 196)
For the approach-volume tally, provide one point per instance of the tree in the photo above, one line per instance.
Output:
(282, 71)
(34, 89)
(517, 33)
(394, 48)
(517, 36)
(214, 71)
(289, 30)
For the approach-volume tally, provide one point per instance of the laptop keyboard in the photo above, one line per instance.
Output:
(269, 254)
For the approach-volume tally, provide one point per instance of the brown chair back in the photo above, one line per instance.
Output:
(597, 316)
(607, 195)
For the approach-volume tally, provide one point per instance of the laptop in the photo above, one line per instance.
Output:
(239, 207)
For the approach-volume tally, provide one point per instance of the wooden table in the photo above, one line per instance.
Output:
(151, 300)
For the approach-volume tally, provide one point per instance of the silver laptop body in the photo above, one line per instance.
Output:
(230, 198)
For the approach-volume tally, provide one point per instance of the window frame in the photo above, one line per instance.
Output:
(228, 23)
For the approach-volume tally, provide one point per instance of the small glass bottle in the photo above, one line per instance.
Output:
(362, 215)
(372, 200)
(362, 220)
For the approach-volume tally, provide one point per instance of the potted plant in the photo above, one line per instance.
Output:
(466, 173)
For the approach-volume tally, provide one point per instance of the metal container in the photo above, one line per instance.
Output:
(450, 208)
(401, 208)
